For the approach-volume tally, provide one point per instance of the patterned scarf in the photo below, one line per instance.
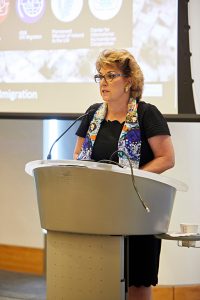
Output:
(129, 140)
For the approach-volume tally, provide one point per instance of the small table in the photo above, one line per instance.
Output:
(182, 239)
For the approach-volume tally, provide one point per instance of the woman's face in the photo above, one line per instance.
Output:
(113, 88)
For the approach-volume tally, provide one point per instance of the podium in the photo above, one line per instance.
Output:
(87, 209)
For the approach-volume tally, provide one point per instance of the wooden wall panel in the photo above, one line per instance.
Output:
(163, 293)
(187, 292)
(22, 259)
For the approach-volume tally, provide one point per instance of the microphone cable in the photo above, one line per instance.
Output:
(111, 162)
(132, 177)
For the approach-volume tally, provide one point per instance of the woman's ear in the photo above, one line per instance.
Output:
(128, 85)
(129, 81)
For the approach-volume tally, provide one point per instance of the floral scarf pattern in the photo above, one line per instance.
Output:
(129, 140)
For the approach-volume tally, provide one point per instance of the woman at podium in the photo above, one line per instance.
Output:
(129, 127)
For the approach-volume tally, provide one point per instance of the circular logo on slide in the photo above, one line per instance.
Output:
(66, 10)
(4, 8)
(30, 11)
(105, 9)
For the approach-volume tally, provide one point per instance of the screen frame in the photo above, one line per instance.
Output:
(186, 106)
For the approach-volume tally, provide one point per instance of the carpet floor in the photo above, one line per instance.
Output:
(21, 286)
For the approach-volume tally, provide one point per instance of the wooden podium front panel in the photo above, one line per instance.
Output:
(85, 267)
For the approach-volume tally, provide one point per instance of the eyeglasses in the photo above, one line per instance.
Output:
(108, 77)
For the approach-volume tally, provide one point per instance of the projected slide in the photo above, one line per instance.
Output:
(48, 50)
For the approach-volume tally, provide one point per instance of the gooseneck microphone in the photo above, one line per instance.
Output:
(67, 129)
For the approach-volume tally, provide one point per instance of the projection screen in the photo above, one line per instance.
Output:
(48, 51)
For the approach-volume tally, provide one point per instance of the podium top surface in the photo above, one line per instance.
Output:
(31, 166)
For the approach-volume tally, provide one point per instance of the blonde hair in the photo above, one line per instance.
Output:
(126, 62)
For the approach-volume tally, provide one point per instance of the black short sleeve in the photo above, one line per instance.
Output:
(151, 121)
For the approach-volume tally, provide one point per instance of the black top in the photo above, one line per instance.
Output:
(151, 123)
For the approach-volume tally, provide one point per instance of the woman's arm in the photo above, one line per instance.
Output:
(163, 151)
(78, 146)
